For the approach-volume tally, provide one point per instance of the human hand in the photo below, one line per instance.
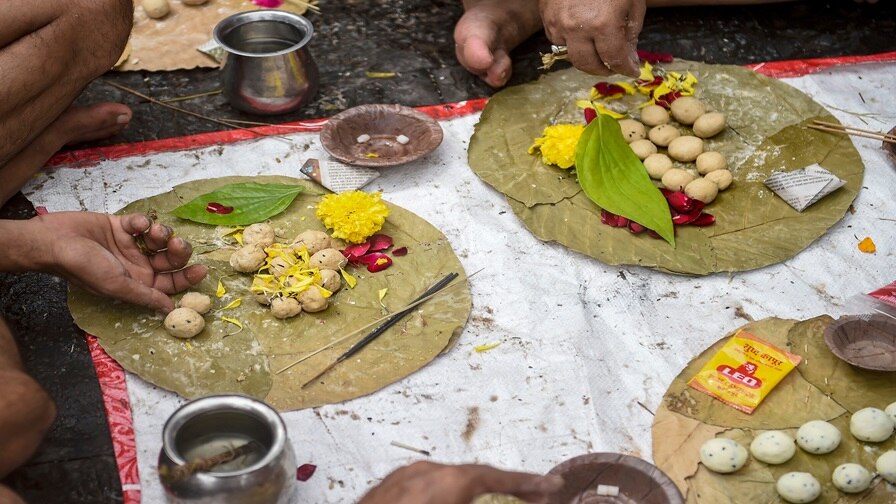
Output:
(601, 35)
(99, 252)
(457, 484)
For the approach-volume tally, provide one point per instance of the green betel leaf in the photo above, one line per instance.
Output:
(251, 202)
(615, 179)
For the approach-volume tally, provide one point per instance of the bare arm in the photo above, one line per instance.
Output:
(457, 484)
(99, 253)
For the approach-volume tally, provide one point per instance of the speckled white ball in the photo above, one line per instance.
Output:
(851, 478)
(871, 424)
(798, 487)
(773, 447)
(818, 436)
(891, 410)
(886, 466)
(723, 455)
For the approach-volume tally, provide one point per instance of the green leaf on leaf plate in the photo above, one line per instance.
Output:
(615, 179)
(250, 202)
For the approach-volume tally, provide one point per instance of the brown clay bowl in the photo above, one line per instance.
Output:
(867, 344)
(639, 481)
(383, 124)
(890, 148)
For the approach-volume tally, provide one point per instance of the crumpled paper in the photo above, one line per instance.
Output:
(802, 188)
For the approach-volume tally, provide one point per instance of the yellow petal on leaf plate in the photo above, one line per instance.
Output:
(380, 75)
(233, 304)
(603, 110)
(382, 293)
(350, 280)
(867, 245)
(234, 322)
(486, 348)
(221, 290)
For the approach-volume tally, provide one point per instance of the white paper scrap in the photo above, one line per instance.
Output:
(804, 187)
(336, 176)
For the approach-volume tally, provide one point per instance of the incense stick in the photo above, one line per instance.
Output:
(441, 284)
(368, 326)
(204, 464)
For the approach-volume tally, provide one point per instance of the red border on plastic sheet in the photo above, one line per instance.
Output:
(797, 68)
(90, 157)
(118, 412)
(112, 377)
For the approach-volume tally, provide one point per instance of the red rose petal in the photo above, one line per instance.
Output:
(353, 252)
(608, 89)
(679, 201)
(687, 218)
(376, 261)
(305, 472)
(590, 114)
(636, 228)
(705, 219)
(652, 57)
(400, 252)
(379, 242)
(605, 217)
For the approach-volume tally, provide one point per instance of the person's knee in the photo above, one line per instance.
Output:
(26, 415)
(111, 22)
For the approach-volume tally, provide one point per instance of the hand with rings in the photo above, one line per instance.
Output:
(126, 257)
(601, 36)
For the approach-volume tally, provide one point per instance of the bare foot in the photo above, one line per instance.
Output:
(75, 125)
(488, 31)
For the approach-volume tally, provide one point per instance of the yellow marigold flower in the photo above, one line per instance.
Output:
(558, 144)
(353, 215)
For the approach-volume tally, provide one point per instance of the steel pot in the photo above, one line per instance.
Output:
(213, 425)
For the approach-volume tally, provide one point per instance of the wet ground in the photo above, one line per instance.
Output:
(413, 40)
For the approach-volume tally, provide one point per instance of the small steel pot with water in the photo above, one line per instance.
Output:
(268, 69)
(197, 463)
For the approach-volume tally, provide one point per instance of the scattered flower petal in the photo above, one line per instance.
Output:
(305, 472)
(486, 348)
(221, 290)
(382, 293)
(400, 252)
(379, 242)
(376, 261)
(867, 245)
(652, 57)
(354, 251)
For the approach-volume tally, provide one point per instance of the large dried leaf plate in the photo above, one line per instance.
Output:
(754, 228)
(245, 362)
(822, 387)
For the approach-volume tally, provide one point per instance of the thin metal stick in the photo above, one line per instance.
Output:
(367, 326)
(195, 114)
(852, 128)
(441, 284)
(172, 107)
(878, 136)
(190, 97)
(421, 451)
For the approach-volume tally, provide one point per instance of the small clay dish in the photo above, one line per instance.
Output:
(865, 343)
(369, 135)
(638, 481)
(890, 147)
